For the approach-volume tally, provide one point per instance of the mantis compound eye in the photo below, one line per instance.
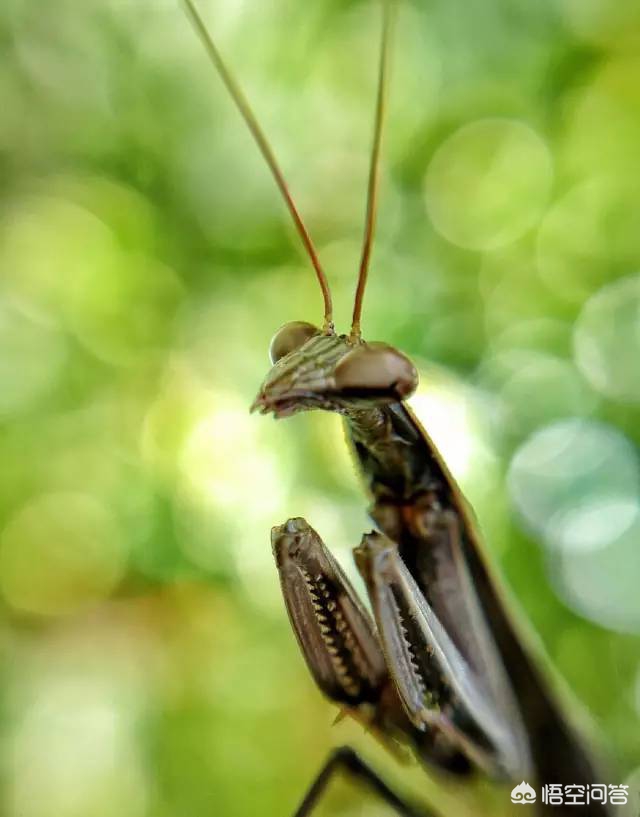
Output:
(290, 337)
(378, 370)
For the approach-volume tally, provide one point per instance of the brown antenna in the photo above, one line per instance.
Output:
(374, 169)
(256, 131)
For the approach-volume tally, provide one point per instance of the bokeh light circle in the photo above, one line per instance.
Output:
(587, 238)
(488, 183)
(577, 485)
(522, 376)
(33, 354)
(570, 471)
(602, 584)
(607, 340)
(232, 480)
(77, 740)
(60, 552)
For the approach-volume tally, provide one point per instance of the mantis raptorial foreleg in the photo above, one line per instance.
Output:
(439, 689)
(410, 658)
(341, 648)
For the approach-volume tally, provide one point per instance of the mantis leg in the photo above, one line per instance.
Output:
(334, 630)
(338, 640)
(406, 680)
(346, 760)
(441, 691)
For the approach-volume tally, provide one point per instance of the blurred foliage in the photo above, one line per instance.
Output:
(148, 666)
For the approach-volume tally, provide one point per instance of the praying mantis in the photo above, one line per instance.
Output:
(442, 667)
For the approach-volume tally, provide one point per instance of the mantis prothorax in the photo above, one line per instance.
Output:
(443, 668)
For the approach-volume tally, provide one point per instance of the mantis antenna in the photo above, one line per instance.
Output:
(256, 131)
(374, 169)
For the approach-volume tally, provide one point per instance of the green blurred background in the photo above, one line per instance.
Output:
(148, 668)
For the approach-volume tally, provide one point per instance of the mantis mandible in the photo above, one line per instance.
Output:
(444, 668)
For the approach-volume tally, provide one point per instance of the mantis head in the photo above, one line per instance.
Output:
(318, 369)
(315, 368)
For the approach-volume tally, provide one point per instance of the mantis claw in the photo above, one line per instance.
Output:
(439, 689)
(334, 631)
(341, 647)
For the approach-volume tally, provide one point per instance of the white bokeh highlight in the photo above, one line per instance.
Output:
(488, 183)
(607, 340)
(576, 485)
